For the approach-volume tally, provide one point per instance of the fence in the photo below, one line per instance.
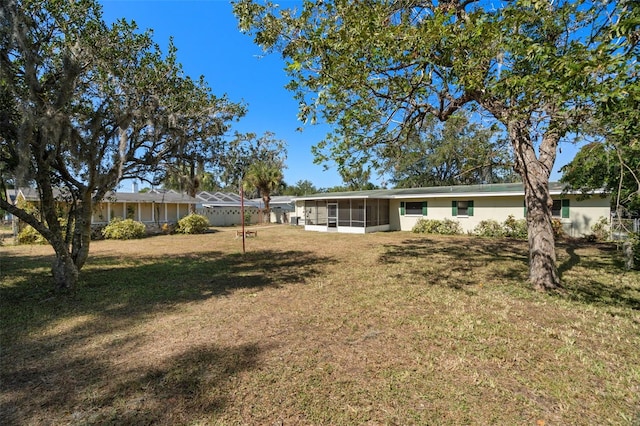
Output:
(621, 228)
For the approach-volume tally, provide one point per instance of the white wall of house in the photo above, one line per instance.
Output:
(583, 214)
(299, 212)
(143, 212)
(229, 216)
(484, 208)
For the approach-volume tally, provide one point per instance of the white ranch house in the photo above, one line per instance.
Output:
(153, 207)
(157, 207)
(399, 209)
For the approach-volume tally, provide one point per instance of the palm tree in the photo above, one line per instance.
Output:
(264, 177)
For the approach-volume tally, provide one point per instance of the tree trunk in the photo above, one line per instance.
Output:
(82, 232)
(65, 272)
(535, 172)
(266, 198)
(543, 273)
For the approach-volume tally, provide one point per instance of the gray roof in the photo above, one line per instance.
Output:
(30, 194)
(222, 199)
(486, 190)
(155, 195)
(277, 201)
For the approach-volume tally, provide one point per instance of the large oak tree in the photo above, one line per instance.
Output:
(85, 105)
(456, 152)
(377, 69)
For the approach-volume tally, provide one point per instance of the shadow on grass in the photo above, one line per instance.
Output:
(458, 262)
(592, 273)
(116, 286)
(82, 389)
(597, 278)
(45, 369)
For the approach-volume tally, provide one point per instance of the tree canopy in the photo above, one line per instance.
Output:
(378, 70)
(301, 187)
(246, 149)
(458, 152)
(616, 169)
(84, 105)
(265, 177)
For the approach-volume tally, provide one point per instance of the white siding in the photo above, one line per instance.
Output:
(582, 213)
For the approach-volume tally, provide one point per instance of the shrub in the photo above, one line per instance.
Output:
(599, 230)
(434, 226)
(167, 228)
(127, 229)
(29, 235)
(558, 231)
(426, 226)
(513, 228)
(489, 228)
(193, 224)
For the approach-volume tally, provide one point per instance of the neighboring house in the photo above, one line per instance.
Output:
(11, 195)
(281, 208)
(224, 209)
(400, 209)
(153, 207)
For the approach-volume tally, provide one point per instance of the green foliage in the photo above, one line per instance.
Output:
(434, 226)
(247, 217)
(510, 228)
(28, 235)
(458, 152)
(124, 229)
(634, 238)
(558, 229)
(376, 74)
(245, 150)
(515, 228)
(123, 108)
(301, 187)
(193, 224)
(489, 228)
(605, 165)
(600, 229)
(265, 178)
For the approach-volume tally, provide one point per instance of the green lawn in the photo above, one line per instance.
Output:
(318, 328)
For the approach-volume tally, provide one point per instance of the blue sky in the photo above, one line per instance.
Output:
(210, 44)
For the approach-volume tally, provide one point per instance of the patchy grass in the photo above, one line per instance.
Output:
(310, 328)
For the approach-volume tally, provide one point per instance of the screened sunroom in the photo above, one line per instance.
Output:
(351, 215)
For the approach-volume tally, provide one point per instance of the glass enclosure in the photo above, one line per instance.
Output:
(352, 213)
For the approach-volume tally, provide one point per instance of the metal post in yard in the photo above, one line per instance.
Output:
(242, 214)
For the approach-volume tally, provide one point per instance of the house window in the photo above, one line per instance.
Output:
(560, 208)
(415, 208)
(462, 208)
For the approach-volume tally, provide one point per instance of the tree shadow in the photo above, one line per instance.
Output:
(600, 277)
(457, 261)
(50, 363)
(188, 386)
(112, 286)
(462, 263)
(572, 261)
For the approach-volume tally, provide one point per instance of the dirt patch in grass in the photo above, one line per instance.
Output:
(318, 328)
